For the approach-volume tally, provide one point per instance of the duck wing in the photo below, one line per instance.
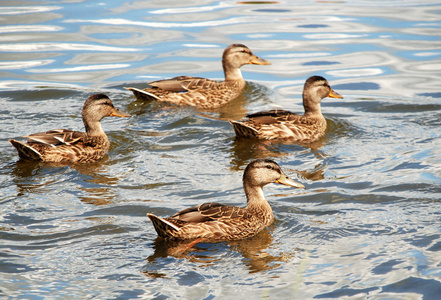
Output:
(56, 137)
(272, 116)
(211, 211)
(183, 84)
(280, 124)
(253, 125)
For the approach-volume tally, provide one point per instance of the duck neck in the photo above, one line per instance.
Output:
(312, 106)
(93, 128)
(257, 203)
(232, 73)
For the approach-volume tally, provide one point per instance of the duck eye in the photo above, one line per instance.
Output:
(269, 167)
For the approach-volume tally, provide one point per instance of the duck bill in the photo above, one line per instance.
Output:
(334, 94)
(285, 180)
(258, 61)
(119, 113)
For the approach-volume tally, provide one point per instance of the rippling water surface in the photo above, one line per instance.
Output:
(368, 223)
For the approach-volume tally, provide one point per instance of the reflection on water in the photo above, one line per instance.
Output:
(99, 192)
(368, 224)
(32, 177)
(254, 253)
(318, 173)
(244, 150)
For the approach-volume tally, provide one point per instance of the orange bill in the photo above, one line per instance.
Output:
(258, 61)
(334, 94)
(119, 113)
(285, 180)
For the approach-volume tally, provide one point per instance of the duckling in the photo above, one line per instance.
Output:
(201, 92)
(283, 124)
(64, 145)
(215, 221)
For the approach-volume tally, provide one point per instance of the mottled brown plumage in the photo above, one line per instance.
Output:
(215, 221)
(201, 92)
(63, 145)
(282, 124)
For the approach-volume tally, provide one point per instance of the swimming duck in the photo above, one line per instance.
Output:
(283, 124)
(201, 92)
(63, 145)
(215, 221)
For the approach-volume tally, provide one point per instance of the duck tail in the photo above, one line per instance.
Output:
(26, 152)
(142, 95)
(243, 130)
(163, 227)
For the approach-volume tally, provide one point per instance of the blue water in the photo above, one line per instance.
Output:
(367, 226)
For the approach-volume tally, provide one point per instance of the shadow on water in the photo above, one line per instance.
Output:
(42, 93)
(254, 252)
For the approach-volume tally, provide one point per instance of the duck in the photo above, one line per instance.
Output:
(283, 124)
(219, 222)
(202, 92)
(66, 146)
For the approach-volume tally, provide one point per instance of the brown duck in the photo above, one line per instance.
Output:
(282, 124)
(201, 92)
(215, 221)
(63, 145)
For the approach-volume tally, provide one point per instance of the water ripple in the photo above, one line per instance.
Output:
(38, 47)
(29, 28)
(19, 10)
(213, 23)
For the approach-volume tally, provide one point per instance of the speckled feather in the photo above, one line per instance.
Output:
(84, 149)
(215, 221)
(201, 92)
(64, 145)
(283, 124)
(280, 124)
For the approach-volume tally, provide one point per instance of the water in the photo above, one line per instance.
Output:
(368, 223)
